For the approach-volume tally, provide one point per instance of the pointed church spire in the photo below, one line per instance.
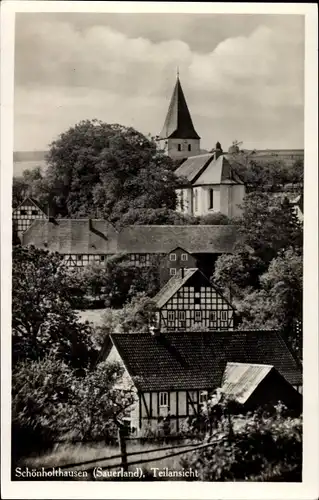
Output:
(178, 123)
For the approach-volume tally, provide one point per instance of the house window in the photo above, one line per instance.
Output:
(179, 147)
(34, 212)
(189, 147)
(223, 315)
(102, 258)
(202, 396)
(184, 257)
(172, 256)
(79, 257)
(211, 198)
(198, 315)
(181, 315)
(182, 199)
(212, 316)
(172, 271)
(195, 200)
(171, 315)
(23, 212)
(163, 398)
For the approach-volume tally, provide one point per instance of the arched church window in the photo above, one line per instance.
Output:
(189, 147)
(179, 147)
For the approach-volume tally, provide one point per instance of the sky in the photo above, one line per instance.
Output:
(242, 75)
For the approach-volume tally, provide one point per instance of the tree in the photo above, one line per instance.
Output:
(120, 279)
(50, 403)
(264, 274)
(32, 184)
(278, 304)
(101, 170)
(43, 294)
(137, 316)
(157, 216)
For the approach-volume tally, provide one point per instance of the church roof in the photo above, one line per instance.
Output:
(178, 122)
(205, 169)
(198, 360)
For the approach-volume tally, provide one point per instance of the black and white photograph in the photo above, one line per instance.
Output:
(158, 317)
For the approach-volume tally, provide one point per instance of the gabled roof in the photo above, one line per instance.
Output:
(205, 169)
(172, 286)
(219, 171)
(176, 282)
(180, 361)
(194, 166)
(178, 122)
(163, 239)
(28, 201)
(241, 379)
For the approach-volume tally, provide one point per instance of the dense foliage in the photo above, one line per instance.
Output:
(264, 274)
(50, 403)
(261, 446)
(119, 280)
(44, 293)
(101, 170)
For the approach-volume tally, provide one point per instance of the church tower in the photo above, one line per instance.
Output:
(181, 139)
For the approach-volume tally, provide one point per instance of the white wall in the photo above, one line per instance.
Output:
(172, 147)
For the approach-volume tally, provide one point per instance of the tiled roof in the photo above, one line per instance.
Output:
(72, 236)
(205, 169)
(219, 171)
(194, 166)
(178, 122)
(172, 286)
(196, 360)
(241, 379)
(163, 239)
(98, 236)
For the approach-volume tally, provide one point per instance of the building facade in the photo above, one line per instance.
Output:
(173, 375)
(23, 216)
(189, 300)
(211, 185)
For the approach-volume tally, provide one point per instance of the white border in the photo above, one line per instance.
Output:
(308, 489)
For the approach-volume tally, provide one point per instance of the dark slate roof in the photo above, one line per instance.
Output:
(178, 122)
(205, 169)
(72, 236)
(163, 239)
(178, 361)
(172, 286)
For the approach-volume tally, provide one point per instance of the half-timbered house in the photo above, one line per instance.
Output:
(23, 216)
(174, 374)
(190, 300)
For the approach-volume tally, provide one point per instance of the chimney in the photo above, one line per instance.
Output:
(218, 150)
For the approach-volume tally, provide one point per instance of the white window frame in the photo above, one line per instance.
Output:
(224, 315)
(184, 257)
(181, 316)
(172, 271)
(172, 257)
(170, 316)
(163, 399)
